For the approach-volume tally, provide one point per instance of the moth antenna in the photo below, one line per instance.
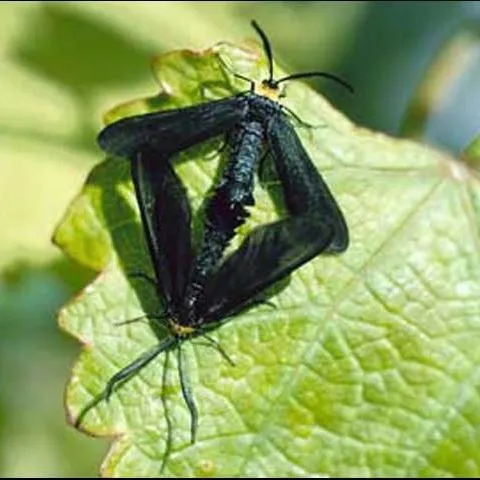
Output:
(266, 48)
(187, 395)
(330, 76)
(125, 374)
(168, 442)
(133, 368)
(92, 404)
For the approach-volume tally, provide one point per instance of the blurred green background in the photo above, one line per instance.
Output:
(63, 64)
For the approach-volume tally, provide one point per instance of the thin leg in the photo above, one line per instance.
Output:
(211, 342)
(299, 120)
(187, 395)
(142, 317)
(143, 276)
(132, 320)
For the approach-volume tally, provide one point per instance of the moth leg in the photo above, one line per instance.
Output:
(132, 320)
(143, 276)
(211, 342)
(163, 316)
(154, 283)
(187, 394)
(301, 123)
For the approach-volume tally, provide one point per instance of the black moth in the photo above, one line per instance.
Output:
(202, 291)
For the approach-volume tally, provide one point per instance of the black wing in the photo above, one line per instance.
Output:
(271, 252)
(303, 186)
(267, 255)
(174, 130)
(166, 215)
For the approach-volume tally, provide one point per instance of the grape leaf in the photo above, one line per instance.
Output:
(368, 364)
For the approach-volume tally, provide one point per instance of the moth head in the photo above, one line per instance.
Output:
(268, 89)
(270, 86)
(180, 330)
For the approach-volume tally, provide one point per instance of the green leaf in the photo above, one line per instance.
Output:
(368, 365)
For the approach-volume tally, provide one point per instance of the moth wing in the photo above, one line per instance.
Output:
(171, 131)
(303, 186)
(271, 252)
(166, 217)
(267, 255)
